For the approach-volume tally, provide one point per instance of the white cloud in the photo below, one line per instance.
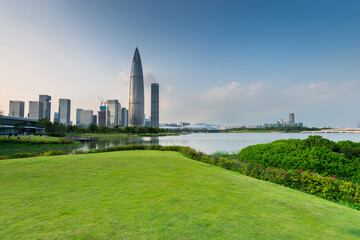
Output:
(259, 102)
(235, 89)
(123, 78)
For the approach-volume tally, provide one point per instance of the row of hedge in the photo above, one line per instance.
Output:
(328, 187)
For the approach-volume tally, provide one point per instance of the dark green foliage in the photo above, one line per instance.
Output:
(314, 153)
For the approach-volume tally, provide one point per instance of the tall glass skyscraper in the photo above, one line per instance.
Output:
(64, 111)
(35, 108)
(112, 118)
(155, 105)
(78, 116)
(46, 106)
(136, 92)
(16, 108)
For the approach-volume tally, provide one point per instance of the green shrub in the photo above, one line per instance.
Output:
(54, 153)
(314, 153)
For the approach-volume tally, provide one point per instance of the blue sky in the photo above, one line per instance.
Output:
(221, 62)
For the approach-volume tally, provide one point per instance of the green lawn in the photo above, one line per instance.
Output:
(33, 145)
(9, 149)
(32, 139)
(156, 195)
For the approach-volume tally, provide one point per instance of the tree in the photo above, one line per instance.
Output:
(92, 128)
(44, 122)
(19, 127)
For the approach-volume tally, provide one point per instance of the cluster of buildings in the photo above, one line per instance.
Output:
(279, 123)
(285, 123)
(37, 109)
(111, 113)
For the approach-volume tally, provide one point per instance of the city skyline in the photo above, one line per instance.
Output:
(222, 63)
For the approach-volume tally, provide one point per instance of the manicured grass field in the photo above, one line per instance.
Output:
(32, 139)
(9, 149)
(156, 195)
(26, 145)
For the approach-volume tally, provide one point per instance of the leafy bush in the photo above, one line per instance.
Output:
(314, 153)
(54, 153)
(24, 155)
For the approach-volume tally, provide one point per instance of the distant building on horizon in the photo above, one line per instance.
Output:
(102, 116)
(16, 108)
(112, 118)
(291, 118)
(155, 105)
(184, 124)
(147, 122)
(119, 115)
(46, 104)
(56, 117)
(94, 120)
(124, 117)
(35, 108)
(64, 111)
(86, 118)
(78, 116)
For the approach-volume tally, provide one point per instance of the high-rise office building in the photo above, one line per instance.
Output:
(35, 108)
(155, 105)
(64, 111)
(291, 118)
(112, 118)
(147, 122)
(124, 117)
(86, 117)
(119, 115)
(102, 116)
(56, 117)
(16, 109)
(78, 116)
(94, 120)
(46, 104)
(136, 92)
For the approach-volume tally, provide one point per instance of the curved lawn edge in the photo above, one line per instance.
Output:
(335, 190)
(157, 195)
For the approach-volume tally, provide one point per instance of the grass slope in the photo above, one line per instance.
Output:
(11, 148)
(156, 195)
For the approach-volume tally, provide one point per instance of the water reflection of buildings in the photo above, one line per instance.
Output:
(120, 141)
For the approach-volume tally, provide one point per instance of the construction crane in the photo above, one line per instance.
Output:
(102, 101)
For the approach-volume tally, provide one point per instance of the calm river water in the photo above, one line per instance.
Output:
(213, 142)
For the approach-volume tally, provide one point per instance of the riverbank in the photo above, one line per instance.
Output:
(23, 146)
(154, 194)
(102, 136)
